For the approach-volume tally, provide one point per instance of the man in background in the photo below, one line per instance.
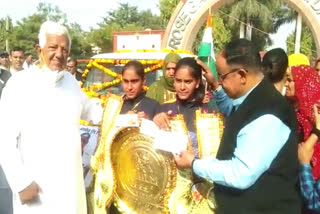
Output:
(28, 62)
(4, 60)
(16, 59)
(72, 68)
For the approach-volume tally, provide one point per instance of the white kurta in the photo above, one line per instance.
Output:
(43, 114)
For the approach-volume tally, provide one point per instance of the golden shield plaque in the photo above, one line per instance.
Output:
(138, 179)
(144, 177)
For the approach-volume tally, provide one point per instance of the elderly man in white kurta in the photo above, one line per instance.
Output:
(40, 149)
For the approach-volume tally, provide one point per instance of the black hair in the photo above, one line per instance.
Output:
(196, 72)
(137, 66)
(4, 54)
(16, 49)
(86, 134)
(73, 60)
(275, 64)
(242, 52)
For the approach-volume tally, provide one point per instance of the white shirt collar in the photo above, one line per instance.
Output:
(13, 71)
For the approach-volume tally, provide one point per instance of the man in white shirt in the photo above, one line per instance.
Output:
(16, 59)
(28, 62)
(40, 148)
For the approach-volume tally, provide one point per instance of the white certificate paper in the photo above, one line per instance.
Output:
(127, 120)
(166, 141)
(170, 142)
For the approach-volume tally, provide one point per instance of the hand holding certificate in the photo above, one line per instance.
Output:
(167, 141)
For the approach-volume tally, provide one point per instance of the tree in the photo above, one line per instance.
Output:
(80, 47)
(247, 11)
(4, 33)
(308, 46)
(25, 33)
(221, 35)
(124, 18)
(125, 14)
(102, 37)
(148, 20)
(52, 13)
(265, 17)
(167, 8)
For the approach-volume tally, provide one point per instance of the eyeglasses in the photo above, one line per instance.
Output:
(223, 76)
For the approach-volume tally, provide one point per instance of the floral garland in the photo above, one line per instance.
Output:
(86, 123)
(91, 90)
(100, 64)
(151, 50)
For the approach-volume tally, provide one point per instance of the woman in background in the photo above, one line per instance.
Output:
(274, 67)
(303, 91)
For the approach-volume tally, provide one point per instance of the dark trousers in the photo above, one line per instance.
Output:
(5, 195)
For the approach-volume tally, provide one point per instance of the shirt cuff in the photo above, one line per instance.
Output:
(201, 168)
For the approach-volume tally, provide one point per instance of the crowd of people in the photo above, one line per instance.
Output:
(269, 157)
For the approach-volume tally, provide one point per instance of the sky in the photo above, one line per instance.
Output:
(84, 13)
(88, 15)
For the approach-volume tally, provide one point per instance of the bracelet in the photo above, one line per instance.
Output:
(316, 132)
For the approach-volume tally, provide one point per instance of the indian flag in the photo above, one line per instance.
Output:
(206, 51)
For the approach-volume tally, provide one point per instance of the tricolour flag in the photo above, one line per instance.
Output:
(206, 51)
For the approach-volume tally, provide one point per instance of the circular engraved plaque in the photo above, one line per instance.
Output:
(144, 177)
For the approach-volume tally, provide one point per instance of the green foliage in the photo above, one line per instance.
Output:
(123, 15)
(25, 33)
(102, 37)
(124, 18)
(167, 8)
(265, 15)
(221, 32)
(307, 46)
(4, 34)
(249, 10)
(80, 47)
(221, 35)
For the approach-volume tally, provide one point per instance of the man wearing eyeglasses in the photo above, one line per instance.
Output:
(256, 168)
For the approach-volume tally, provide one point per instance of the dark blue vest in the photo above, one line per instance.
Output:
(275, 192)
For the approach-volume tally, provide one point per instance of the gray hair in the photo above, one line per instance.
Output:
(50, 27)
